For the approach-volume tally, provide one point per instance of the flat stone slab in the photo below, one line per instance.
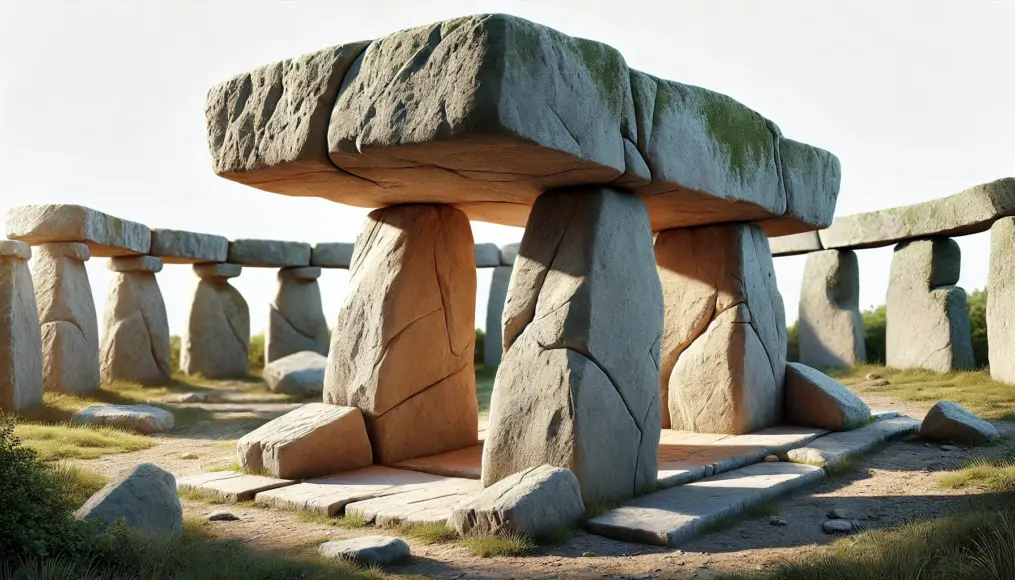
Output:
(467, 463)
(794, 244)
(831, 449)
(106, 236)
(332, 255)
(231, 485)
(329, 495)
(671, 516)
(269, 253)
(425, 504)
(142, 418)
(183, 247)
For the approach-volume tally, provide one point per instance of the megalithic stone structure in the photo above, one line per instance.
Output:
(70, 330)
(135, 342)
(579, 383)
(296, 317)
(404, 344)
(1001, 301)
(723, 355)
(493, 348)
(217, 339)
(20, 336)
(927, 317)
(830, 325)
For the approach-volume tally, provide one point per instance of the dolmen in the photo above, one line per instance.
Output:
(643, 292)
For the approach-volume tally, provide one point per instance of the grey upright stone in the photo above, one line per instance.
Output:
(493, 348)
(296, 320)
(487, 256)
(830, 325)
(135, 342)
(105, 235)
(20, 336)
(182, 247)
(332, 255)
(1001, 301)
(578, 386)
(269, 253)
(217, 337)
(508, 254)
(947, 421)
(927, 316)
(144, 496)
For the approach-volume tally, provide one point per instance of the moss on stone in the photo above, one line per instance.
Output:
(606, 68)
(739, 131)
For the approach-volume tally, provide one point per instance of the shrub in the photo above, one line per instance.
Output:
(256, 352)
(175, 344)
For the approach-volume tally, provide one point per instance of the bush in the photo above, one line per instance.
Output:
(175, 344)
(256, 352)
(874, 334)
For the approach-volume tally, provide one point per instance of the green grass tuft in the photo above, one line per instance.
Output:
(207, 497)
(347, 522)
(65, 441)
(78, 483)
(594, 509)
(429, 533)
(991, 475)
(508, 544)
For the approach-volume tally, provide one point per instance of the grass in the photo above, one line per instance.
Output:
(429, 533)
(201, 495)
(507, 544)
(65, 441)
(989, 475)
(762, 510)
(237, 468)
(594, 509)
(60, 407)
(78, 483)
(484, 386)
(348, 522)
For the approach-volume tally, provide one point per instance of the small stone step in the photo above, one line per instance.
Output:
(467, 463)
(831, 449)
(231, 485)
(430, 503)
(671, 516)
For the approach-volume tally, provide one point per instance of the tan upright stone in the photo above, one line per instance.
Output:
(20, 337)
(578, 385)
(402, 350)
(296, 321)
(135, 342)
(217, 339)
(723, 353)
(1001, 301)
(831, 329)
(70, 331)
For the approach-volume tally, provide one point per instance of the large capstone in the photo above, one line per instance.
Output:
(217, 337)
(296, 321)
(831, 329)
(20, 337)
(927, 322)
(578, 387)
(402, 350)
(135, 343)
(724, 341)
(70, 331)
(1001, 301)
(493, 341)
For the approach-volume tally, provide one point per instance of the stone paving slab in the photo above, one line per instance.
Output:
(231, 485)
(671, 516)
(467, 463)
(427, 504)
(829, 450)
(329, 495)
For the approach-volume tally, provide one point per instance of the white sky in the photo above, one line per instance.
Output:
(103, 105)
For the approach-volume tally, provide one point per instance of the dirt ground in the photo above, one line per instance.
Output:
(896, 484)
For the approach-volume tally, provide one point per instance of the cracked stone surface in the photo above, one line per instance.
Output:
(830, 325)
(70, 330)
(20, 335)
(105, 235)
(723, 355)
(578, 384)
(135, 340)
(217, 337)
(296, 320)
(402, 350)
(487, 112)
(927, 319)
(1001, 301)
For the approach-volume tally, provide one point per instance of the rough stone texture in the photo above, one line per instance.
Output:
(135, 342)
(217, 337)
(141, 418)
(1001, 301)
(20, 335)
(144, 496)
(968, 212)
(508, 254)
(366, 550)
(105, 235)
(578, 386)
(70, 331)
(296, 318)
(791, 245)
(830, 450)
(830, 325)
(432, 503)
(402, 350)
(493, 345)
(723, 354)
(927, 322)
(813, 398)
(530, 502)
(502, 110)
(947, 421)
(314, 440)
(231, 485)
(332, 255)
(487, 256)
(182, 247)
(269, 253)
(301, 372)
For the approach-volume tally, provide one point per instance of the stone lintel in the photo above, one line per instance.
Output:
(301, 273)
(795, 244)
(107, 236)
(183, 247)
(269, 253)
(213, 271)
(332, 255)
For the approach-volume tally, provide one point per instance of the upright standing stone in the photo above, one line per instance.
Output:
(579, 384)
(20, 337)
(723, 360)
(493, 347)
(927, 322)
(1001, 301)
(831, 328)
(135, 343)
(403, 348)
(217, 339)
(70, 331)
(296, 322)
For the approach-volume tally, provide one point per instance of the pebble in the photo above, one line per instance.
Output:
(950, 448)
(839, 514)
(874, 376)
(777, 521)
(771, 459)
(188, 456)
(221, 516)
(837, 527)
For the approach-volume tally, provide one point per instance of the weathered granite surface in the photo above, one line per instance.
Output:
(183, 247)
(1001, 301)
(135, 340)
(332, 255)
(793, 244)
(269, 253)
(217, 337)
(20, 335)
(143, 496)
(296, 320)
(105, 235)
(830, 325)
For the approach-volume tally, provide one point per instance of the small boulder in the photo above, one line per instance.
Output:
(947, 421)
(141, 418)
(301, 372)
(839, 514)
(817, 400)
(949, 448)
(837, 527)
(873, 376)
(188, 456)
(221, 516)
(529, 502)
(367, 550)
(144, 496)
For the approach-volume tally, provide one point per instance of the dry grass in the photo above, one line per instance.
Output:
(509, 544)
(484, 386)
(78, 483)
(60, 407)
(994, 475)
(348, 522)
(429, 533)
(65, 441)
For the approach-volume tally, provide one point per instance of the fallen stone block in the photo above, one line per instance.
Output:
(105, 235)
(232, 486)
(429, 504)
(20, 335)
(814, 398)
(269, 253)
(182, 247)
(332, 255)
(302, 372)
(313, 440)
(141, 418)
(144, 496)
(947, 421)
(368, 550)
(830, 450)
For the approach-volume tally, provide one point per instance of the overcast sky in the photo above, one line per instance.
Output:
(103, 105)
